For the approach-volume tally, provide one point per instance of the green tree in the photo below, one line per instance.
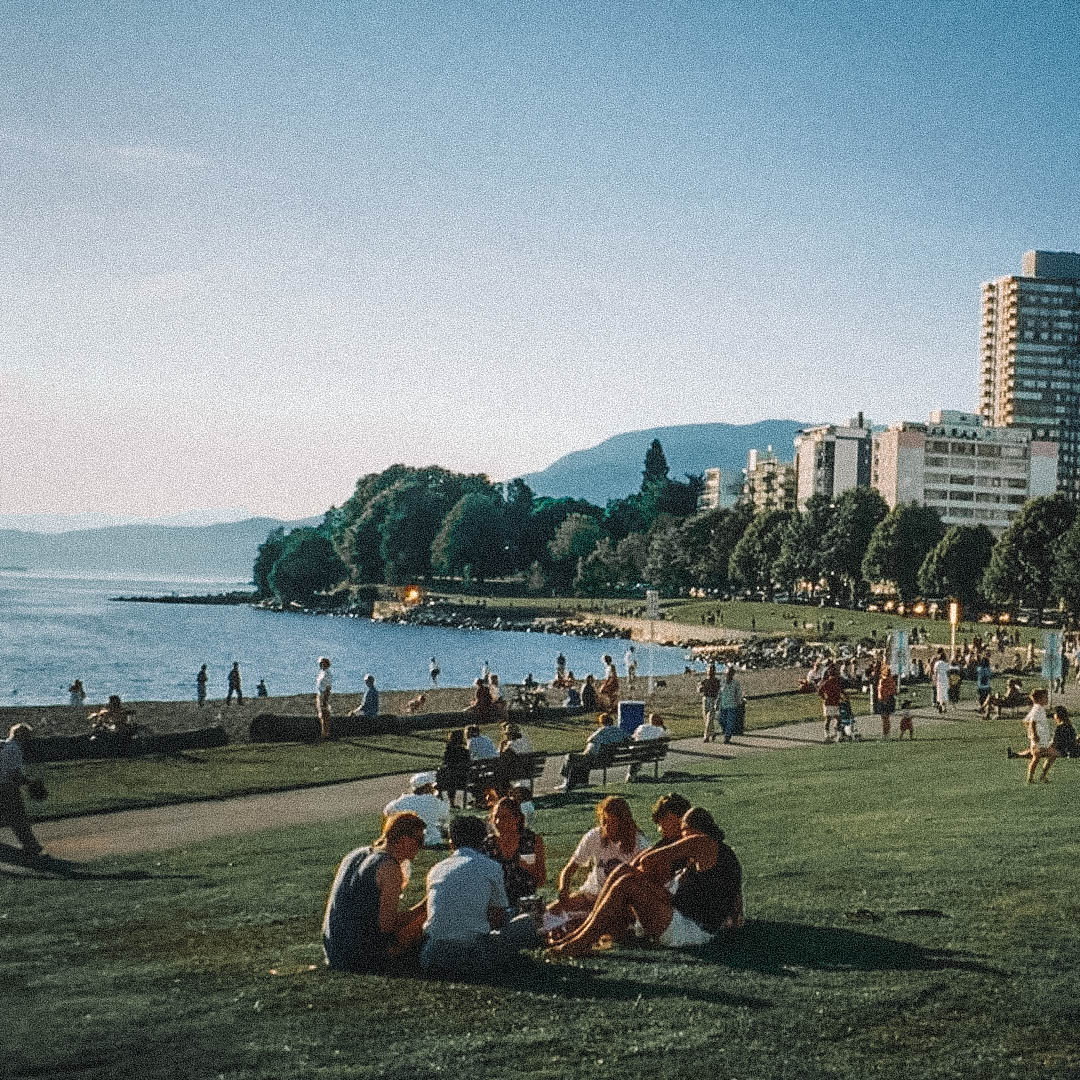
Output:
(1021, 570)
(899, 545)
(1065, 580)
(801, 553)
(751, 563)
(308, 564)
(269, 552)
(667, 566)
(473, 535)
(656, 466)
(574, 539)
(855, 516)
(708, 539)
(519, 503)
(544, 521)
(956, 564)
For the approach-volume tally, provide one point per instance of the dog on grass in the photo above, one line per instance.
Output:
(906, 722)
(414, 705)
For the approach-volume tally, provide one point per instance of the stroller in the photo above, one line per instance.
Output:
(845, 725)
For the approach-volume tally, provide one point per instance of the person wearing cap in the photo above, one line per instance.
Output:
(12, 778)
(421, 800)
(324, 683)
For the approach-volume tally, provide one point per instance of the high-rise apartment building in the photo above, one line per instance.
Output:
(768, 484)
(712, 490)
(1030, 355)
(832, 459)
(970, 473)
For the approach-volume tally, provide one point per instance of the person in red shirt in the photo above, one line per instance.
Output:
(832, 694)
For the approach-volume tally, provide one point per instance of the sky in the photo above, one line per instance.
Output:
(250, 252)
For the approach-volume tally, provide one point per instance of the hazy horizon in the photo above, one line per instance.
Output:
(251, 254)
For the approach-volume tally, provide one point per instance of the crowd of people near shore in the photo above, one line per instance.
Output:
(481, 903)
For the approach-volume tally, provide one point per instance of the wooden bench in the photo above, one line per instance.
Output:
(507, 768)
(632, 753)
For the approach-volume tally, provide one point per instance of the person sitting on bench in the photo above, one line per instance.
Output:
(576, 768)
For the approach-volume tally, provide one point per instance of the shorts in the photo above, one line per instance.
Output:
(832, 712)
(683, 933)
(1038, 751)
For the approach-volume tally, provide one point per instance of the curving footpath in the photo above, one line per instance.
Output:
(131, 832)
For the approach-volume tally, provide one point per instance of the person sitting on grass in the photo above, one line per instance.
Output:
(572, 701)
(466, 906)
(523, 797)
(1064, 733)
(421, 799)
(615, 840)
(517, 849)
(1040, 738)
(363, 928)
(589, 699)
(481, 709)
(706, 901)
(576, 768)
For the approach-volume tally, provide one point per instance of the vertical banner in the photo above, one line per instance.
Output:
(900, 654)
(652, 612)
(1051, 664)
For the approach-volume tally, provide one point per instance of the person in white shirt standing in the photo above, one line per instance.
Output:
(1040, 738)
(422, 800)
(12, 778)
(324, 683)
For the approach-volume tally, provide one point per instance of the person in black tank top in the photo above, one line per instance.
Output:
(709, 891)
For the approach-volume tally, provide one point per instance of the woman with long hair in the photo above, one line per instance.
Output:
(615, 840)
(453, 774)
(517, 849)
(707, 897)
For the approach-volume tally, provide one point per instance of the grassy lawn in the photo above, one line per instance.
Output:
(78, 787)
(912, 914)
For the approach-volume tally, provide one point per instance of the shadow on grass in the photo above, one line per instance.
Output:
(15, 863)
(782, 948)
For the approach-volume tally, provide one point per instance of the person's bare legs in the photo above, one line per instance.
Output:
(1049, 757)
(633, 896)
(1033, 767)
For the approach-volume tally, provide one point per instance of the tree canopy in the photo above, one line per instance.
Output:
(898, 546)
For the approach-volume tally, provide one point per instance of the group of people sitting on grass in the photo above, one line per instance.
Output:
(481, 904)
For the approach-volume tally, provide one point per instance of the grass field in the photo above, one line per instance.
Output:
(78, 787)
(912, 913)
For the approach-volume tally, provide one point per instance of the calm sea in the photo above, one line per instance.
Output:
(56, 629)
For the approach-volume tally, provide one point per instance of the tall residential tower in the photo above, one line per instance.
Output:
(1030, 356)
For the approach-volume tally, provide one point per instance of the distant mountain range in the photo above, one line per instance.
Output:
(57, 523)
(612, 469)
(223, 551)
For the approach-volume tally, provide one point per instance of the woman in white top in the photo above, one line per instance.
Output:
(324, 683)
(615, 840)
(941, 682)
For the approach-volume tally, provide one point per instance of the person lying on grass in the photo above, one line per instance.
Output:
(614, 841)
(707, 899)
(363, 929)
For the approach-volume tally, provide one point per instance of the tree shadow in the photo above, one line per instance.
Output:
(15, 863)
(783, 948)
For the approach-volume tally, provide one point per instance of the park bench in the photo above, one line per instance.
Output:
(505, 769)
(632, 753)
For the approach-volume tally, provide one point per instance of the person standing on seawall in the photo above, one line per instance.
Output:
(324, 683)
(234, 685)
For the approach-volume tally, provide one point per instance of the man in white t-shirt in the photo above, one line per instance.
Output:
(422, 800)
(1040, 738)
(324, 683)
(653, 728)
(630, 660)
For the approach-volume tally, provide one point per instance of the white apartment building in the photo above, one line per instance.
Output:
(711, 497)
(832, 459)
(768, 484)
(969, 472)
(1030, 355)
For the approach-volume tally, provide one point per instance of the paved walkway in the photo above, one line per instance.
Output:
(130, 832)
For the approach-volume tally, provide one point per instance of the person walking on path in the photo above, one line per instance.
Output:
(200, 686)
(831, 692)
(983, 677)
(234, 685)
(12, 778)
(731, 701)
(324, 684)
(1040, 738)
(886, 699)
(940, 674)
(709, 689)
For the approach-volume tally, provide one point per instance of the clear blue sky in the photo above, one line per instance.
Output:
(251, 251)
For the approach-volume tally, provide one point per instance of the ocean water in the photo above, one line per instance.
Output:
(54, 629)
